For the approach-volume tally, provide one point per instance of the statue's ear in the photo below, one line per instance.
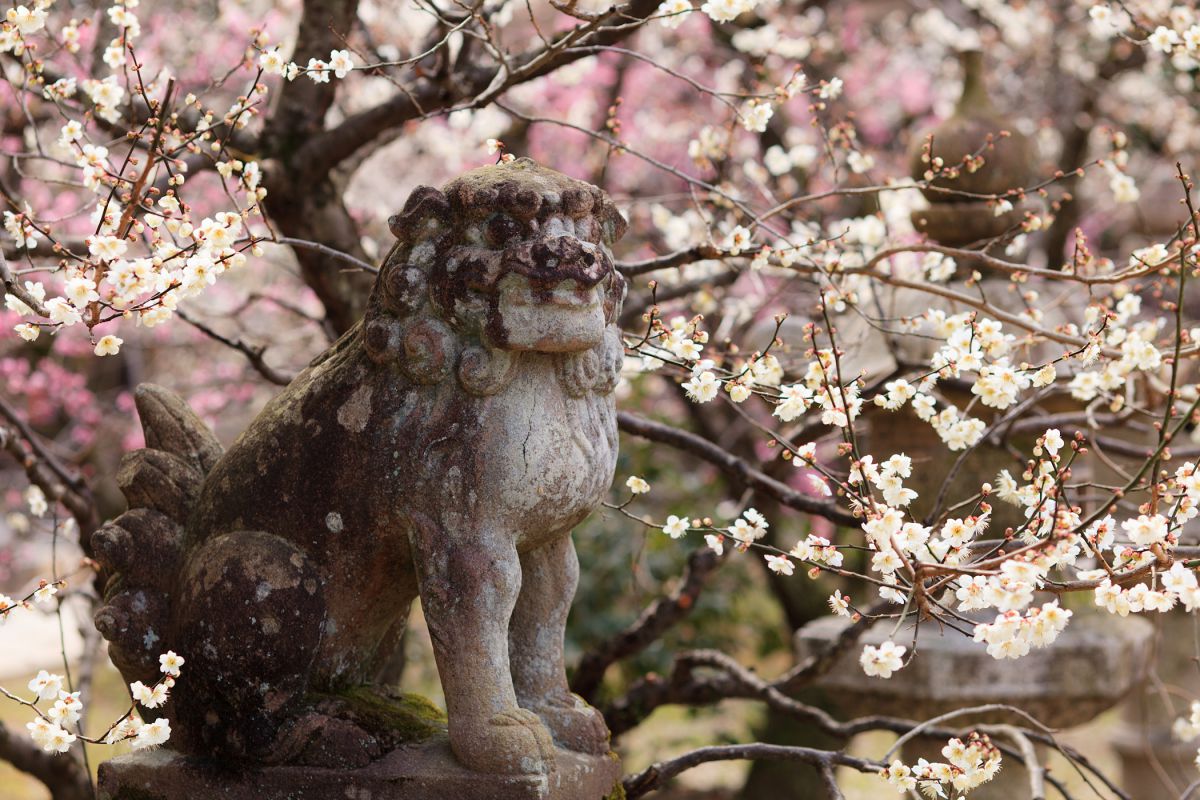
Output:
(425, 209)
(614, 224)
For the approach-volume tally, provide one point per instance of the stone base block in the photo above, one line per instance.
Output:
(421, 772)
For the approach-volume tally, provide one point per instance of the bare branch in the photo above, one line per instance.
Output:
(45, 471)
(732, 466)
(700, 252)
(253, 354)
(62, 775)
(658, 618)
(657, 774)
(337, 255)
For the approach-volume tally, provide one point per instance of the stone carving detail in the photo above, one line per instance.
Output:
(445, 447)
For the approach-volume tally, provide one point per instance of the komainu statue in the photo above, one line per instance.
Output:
(443, 448)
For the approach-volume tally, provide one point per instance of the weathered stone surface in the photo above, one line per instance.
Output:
(1088, 669)
(443, 448)
(965, 223)
(174, 428)
(426, 772)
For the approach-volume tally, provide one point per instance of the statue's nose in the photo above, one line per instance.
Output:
(566, 257)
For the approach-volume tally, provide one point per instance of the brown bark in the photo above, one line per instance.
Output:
(63, 775)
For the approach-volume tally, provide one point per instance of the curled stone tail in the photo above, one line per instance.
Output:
(142, 549)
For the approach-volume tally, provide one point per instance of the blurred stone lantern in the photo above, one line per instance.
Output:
(1096, 661)
(977, 151)
(979, 154)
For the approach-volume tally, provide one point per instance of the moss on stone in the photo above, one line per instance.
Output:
(403, 718)
(618, 792)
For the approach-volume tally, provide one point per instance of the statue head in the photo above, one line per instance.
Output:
(504, 259)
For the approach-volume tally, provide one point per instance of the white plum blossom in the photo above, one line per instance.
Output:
(738, 240)
(108, 345)
(272, 62)
(676, 527)
(674, 12)
(755, 115)
(883, 660)
(1146, 530)
(1163, 39)
(702, 387)
(839, 604)
(831, 89)
(727, 10)
(152, 734)
(36, 499)
(46, 685)
(50, 737)
(148, 696)
(341, 62)
(968, 765)
(45, 592)
(27, 20)
(781, 565)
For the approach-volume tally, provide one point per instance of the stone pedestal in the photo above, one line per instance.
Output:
(1154, 763)
(420, 772)
(1088, 669)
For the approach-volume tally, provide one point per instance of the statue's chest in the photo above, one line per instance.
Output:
(549, 456)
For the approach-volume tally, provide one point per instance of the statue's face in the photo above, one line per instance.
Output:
(514, 254)
(544, 284)
(549, 283)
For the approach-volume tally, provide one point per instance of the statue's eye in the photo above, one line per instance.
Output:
(502, 229)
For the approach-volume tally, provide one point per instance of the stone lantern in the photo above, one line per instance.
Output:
(1096, 661)
(1089, 669)
(980, 153)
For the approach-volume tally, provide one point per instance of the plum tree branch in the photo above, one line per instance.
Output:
(253, 354)
(45, 471)
(657, 774)
(732, 466)
(65, 777)
(325, 151)
(658, 618)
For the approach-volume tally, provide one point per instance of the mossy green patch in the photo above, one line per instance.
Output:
(402, 718)
(618, 792)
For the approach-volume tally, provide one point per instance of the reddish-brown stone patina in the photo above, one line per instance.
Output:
(443, 448)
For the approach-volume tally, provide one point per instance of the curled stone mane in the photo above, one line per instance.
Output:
(434, 307)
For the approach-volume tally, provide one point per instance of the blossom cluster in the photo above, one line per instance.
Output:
(49, 728)
(968, 766)
(147, 248)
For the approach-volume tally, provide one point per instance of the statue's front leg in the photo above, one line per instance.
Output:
(550, 575)
(469, 581)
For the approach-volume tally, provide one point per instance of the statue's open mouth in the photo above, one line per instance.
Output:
(562, 317)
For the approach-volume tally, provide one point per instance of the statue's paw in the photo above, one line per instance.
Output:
(574, 724)
(512, 742)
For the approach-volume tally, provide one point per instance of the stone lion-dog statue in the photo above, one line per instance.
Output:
(444, 448)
